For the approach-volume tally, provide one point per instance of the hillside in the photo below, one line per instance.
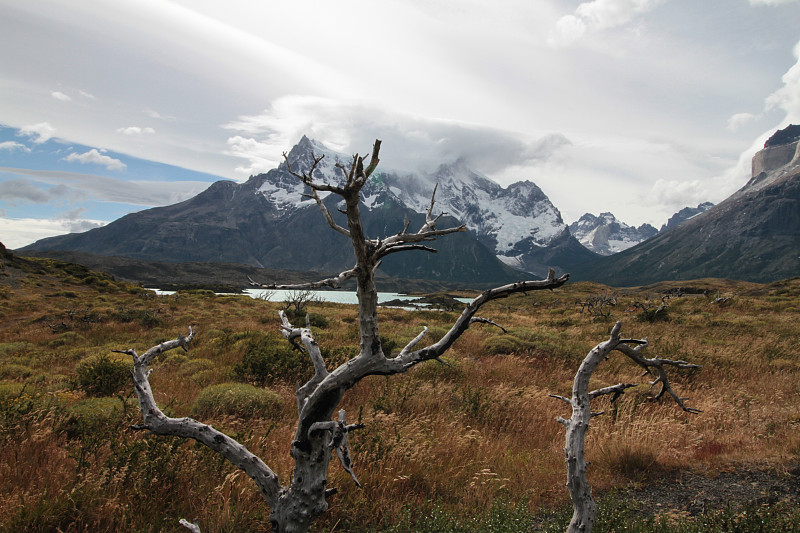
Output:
(753, 235)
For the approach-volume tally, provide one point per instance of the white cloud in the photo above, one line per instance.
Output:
(86, 95)
(11, 146)
(135, 130)
(40, 133)
(93, 156)
(155, 114)
(16, 190)
(740, 119)
(771, 2)
(597, 15)
(103, 188)
(679, 194)
(19, 232)
(569, 29)
(73, 220)
(60, 96)
(411, 142)
(787, 98)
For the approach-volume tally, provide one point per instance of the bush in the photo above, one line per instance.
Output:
(104, 374)
(145, 317)
(15, 371)
(93, 415)
(268, 359)
(506, 345)
(298, 318)
(236, 399)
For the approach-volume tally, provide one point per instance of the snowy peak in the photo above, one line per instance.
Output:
(515, 222)
(605, 235)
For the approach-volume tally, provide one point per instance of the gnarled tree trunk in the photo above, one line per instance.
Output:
(584, 508)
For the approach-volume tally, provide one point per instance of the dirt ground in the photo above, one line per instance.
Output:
(735, 485)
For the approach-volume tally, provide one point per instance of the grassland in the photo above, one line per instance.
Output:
(470, 445)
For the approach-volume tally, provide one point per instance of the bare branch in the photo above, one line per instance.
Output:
(435, 350)
(308, 178)
(486, 321)
(157, 422)
(562, 398)
(410, 346)
(193, 527)
(334, 282)
(328, 218)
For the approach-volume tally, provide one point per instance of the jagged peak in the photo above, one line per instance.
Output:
(788, 135)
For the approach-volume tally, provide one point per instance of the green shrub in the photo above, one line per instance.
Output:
(63, 339)
(298, 318)
(15, 371)
(191, 367)
(145, 317)
(104, 374)
(506, 345)
(15, 400)
(267, 359)
(93, 415)
(236, 399)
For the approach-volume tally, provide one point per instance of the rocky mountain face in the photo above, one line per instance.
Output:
(685, 214)
(606, 235)
(753, 235)
(267, 222)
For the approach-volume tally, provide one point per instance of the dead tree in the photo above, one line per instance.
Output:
(598, 306)
(295, 506)
(583, 504)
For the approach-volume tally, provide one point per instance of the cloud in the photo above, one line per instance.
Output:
(135, 130)
(155, 114)
(15, 190)
(740, 119)
(60, 96)
(40, 133)
(411, 142)
(73, 220)
(93, 156)
(103, 188)
(771, 2)
(597, 15)
(11, 146)
(787, 98)
(19, 232)
(86, 95)
(679, 194)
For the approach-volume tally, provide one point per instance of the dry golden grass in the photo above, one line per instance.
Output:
(460, 436)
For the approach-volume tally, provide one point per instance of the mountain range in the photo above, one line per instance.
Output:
(269, 222)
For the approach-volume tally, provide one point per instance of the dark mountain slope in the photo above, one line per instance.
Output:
(754, 235)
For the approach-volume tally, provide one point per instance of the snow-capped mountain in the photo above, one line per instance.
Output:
(269, 221)
(606, 235)
(518, 223)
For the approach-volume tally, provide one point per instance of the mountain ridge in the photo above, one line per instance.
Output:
(754, 235)
(269, 221)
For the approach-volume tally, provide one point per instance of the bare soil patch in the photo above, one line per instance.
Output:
(731, 486)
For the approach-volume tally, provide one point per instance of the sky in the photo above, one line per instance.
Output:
(637, 107)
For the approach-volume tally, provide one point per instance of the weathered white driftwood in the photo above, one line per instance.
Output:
(583, 504)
